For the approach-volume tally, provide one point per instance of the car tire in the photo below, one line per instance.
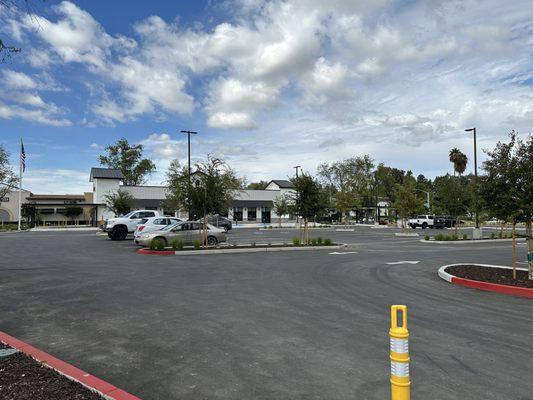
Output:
(110, 235)
(424, 225)
(413, 226)
(212, 241)
(119, 233)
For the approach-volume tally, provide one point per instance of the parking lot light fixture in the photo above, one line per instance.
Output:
(189, 133)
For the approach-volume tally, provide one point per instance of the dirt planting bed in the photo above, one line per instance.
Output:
(500, 276)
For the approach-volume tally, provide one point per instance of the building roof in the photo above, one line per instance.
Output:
(282, 183)
(105, 173)
(56, 197)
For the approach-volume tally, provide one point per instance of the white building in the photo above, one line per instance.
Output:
(248, 206)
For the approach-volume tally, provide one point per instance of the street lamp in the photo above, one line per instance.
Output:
(475, 175)
(189, 133)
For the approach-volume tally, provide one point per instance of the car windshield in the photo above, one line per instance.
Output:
(128, 214)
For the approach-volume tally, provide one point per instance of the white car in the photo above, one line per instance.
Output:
(154, 224)
(118, 228)
(424, 221)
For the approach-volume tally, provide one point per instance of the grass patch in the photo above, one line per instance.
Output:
(197, 245)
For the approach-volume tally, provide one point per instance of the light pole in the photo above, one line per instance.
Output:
(296, 167)
(189, 133)
(475, 175)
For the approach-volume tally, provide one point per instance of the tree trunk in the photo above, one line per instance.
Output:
(279, 220)
(514, 250)
(501, 230)
(306, 232)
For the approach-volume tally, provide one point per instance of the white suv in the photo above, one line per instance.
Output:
(424, 221)
(154, 224)
(118, 228)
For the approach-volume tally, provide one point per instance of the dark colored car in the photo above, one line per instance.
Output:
(219, 222)
(445, 221)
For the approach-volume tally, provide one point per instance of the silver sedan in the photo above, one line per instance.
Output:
(188, 232)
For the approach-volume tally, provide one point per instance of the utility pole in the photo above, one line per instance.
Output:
(475, 175)
(189, 133)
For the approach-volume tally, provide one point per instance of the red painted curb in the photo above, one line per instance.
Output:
(157, 252)
(104, 388)
(494, 287)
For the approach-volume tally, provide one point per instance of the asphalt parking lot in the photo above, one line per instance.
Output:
(287, 325)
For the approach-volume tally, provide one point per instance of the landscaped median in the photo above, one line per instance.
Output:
(29, 373)
(493, 278)
(314, 244)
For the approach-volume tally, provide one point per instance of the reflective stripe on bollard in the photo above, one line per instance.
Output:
(399, 354)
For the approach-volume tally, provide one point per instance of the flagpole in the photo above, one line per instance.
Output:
(20, 185)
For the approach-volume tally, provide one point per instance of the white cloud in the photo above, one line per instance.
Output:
(56, 181)
(40, 116)
(228, 120)
(18, 80)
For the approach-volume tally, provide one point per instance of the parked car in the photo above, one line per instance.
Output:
(424, 221)
(188, 231)
(218, 221)
(118, 228)
(446, 221)
(154, 224)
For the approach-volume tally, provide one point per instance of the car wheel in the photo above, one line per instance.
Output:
(212, 241)
(119, 233)
(226, 228)
(413, 226)
(109, 235)
(424, 225)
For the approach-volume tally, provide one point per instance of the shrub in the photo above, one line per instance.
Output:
(439, 237)
(492, 235)
(314, 242)
(426, 237)
(157, 244)
(177, 244)
(296, 241)
(197, 245)
(327, 242)
(319, 241)
(455, 237)
(465, 236)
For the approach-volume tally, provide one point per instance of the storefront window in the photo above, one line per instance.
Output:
(237, 213)
(252, 214)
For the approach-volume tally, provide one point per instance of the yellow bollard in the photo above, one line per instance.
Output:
(399, 354)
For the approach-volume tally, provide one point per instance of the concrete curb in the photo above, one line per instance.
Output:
(104, 388)
(237, 250)
(469, 241)
(81, 229)
(405, 234)
(491, 287)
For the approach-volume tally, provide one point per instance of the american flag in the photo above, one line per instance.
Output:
(22, 156)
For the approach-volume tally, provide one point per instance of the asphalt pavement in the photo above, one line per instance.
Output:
(285, 325)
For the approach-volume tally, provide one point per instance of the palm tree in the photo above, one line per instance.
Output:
(459, 160)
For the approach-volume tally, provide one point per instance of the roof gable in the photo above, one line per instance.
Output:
(282, 183)
(105, 173)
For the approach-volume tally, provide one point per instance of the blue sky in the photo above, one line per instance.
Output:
(267, 84)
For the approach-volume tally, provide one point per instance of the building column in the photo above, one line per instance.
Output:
(245, 214)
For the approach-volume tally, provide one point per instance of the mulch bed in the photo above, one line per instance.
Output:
(23, 378)
(499, 276)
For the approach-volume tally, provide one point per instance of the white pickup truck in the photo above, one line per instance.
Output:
(424, 221)
(118, 228)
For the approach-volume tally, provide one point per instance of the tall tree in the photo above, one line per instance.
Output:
(281, 206)
(308, 201)
(120, 201)
(459, 160)
(348, 182)
(386, 180)
(129, 160)
(8, 179)
(407, 203)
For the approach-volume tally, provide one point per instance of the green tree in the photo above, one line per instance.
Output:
(120, 202)
(8, 179)
(386, 180)
(406, 202)
(260, 185)
(309, 200)
(281, 206)
(348, 182)
(129, 160)
(507, 187)
(73, 211)
(459, 160)
(214, 186)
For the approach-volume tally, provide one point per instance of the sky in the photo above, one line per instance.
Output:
(267, 84)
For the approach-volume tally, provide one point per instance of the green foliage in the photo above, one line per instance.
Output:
(459, 160)
(261, 185)
(439, 237)
(128, 159)
(157, 244)
(386, 180)
(314, 242)
(197, 245)
(493, 235)
(213, 187)
(73, 212)
(309, 200)
(327, 242)
(296, 241)
(177, 244)
(454, 237)
(465, 236)
(8, 179)
(454, 195)
(281, 206)
(407, 201)
(120, 201)
(426, 237)
(319, 240)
